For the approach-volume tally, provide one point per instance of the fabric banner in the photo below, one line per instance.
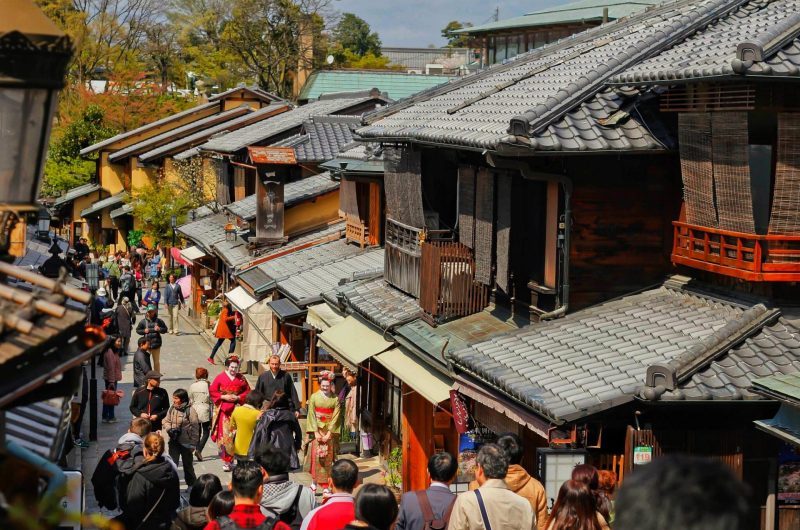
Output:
(466, 206)
(256, 331)
(785, 216)
(734, 197)
(484, 225)
(503, 230)
(697, 168)
(403, 186)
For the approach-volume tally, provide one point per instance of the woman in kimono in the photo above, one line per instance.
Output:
(228, 390)
(322, 426)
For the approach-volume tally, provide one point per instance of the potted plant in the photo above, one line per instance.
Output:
(393, 477)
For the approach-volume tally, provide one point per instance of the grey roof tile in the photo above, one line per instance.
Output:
(293, 193)
(284, 123)
(378, 302)
(583, 363)
(322, 137)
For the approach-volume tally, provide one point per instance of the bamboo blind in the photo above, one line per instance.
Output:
(348, 202)
(466, 206)
(503, 229)
(697, 169)
(785, 216)
(403, 186)
(734, 198)
(484, 225)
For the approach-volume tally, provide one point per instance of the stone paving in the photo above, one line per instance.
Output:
(180, 355)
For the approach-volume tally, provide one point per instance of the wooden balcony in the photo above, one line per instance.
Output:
(447, 282)
(751, 257)
(401, 265)
(356, 230)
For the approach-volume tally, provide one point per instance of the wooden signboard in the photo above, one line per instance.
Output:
(272, 155)
(269, 208)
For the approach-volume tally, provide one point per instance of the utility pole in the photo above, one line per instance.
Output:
(496, 15)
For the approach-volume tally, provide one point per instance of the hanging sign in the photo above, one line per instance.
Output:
(642, 454)
(272, 155)
(460, 413)
(269, 208)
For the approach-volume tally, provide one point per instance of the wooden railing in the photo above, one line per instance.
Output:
(402, 260)
(447, 278)
(752, 257)
(356, 231)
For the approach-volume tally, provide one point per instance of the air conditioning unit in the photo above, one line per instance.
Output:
(434, 69)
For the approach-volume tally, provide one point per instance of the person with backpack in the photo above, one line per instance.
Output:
(108, 321)
(247, 485)
(112, 375)
(153, 493)
(127, 287)
(430, 509)
(183, 428)
(152, 327)
(112, 473)
(100, 303)
(279, 428)
(288, 501)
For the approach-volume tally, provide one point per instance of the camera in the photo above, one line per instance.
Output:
(174, 433)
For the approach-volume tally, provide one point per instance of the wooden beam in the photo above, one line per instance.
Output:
(551, 236)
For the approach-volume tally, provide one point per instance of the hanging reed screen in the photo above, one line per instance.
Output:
(785, 216)
(697, 169)
(734, 196)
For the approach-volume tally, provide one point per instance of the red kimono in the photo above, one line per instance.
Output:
(223, 385)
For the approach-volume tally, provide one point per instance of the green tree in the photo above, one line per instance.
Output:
(456, 40)
(354, 34)
(154, 205)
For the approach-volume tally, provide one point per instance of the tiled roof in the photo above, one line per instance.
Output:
(102, 204)
(281, 124)
(198, 126)
(233, 253)
(206, 231)
(153, 125)
(760, 38)
(293, 193)
(322, 137)
(252, 90)
(39, 427)
(634, 346)
(74, 193)
(574, 12)
(188, 146)
(551, 98)
(308, 286)
(377, 301)
(358, 157)
(36, 250)
(125, 209)
(296, 262)
(396, 85)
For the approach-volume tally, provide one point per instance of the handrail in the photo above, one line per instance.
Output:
(742, 235)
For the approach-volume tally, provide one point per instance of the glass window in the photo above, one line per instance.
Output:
(500, 49)
(512, 48)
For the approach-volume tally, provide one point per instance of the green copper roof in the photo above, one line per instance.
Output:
(581, 11)
(787, 385)
(397, 85)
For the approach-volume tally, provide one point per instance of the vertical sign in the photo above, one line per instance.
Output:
(269, 209)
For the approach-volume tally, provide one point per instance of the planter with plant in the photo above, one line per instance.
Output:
(394, 476)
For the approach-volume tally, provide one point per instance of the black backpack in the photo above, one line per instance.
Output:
(104, 478)
(226, 523)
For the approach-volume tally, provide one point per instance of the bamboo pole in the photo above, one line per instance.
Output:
(19, 324)
(43, 306)
(47, 283)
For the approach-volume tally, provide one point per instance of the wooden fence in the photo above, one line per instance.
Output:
(402, 262)
(447, 281)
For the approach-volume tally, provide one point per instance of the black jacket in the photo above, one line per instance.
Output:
(152, 402)
(280, 428)
(267, 385)
(146, 486)
(153, 336)
(141, 365)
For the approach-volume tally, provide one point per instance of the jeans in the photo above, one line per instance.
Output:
(219, 343)
(205, 428)
(108, 410)
(178, 452)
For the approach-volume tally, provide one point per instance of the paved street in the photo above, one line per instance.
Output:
(180, 355)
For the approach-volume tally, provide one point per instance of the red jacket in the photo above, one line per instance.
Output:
(226, 329)
(337, 511)
(247, 516)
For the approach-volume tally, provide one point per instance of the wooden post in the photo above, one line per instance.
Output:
(551, 236)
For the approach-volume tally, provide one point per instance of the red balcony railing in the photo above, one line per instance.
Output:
(752, 257)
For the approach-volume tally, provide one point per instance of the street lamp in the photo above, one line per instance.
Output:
(43, 225)
(34, 55)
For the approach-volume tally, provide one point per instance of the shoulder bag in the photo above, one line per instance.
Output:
(482, 506)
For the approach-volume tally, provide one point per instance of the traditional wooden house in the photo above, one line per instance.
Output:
(488, 204)
(133, 159)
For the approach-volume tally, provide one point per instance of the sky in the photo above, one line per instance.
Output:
(418, 23)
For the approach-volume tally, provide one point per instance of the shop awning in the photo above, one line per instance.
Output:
(353, 342)
(424, 380)
(192, 253)
(475, 391)
(285, 309)
(240, 299)
(322, 316)
(784, 426)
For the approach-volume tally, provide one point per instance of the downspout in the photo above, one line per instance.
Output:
(57, 478)
(566, 185)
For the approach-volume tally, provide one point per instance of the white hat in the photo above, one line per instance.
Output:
(101, 291)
